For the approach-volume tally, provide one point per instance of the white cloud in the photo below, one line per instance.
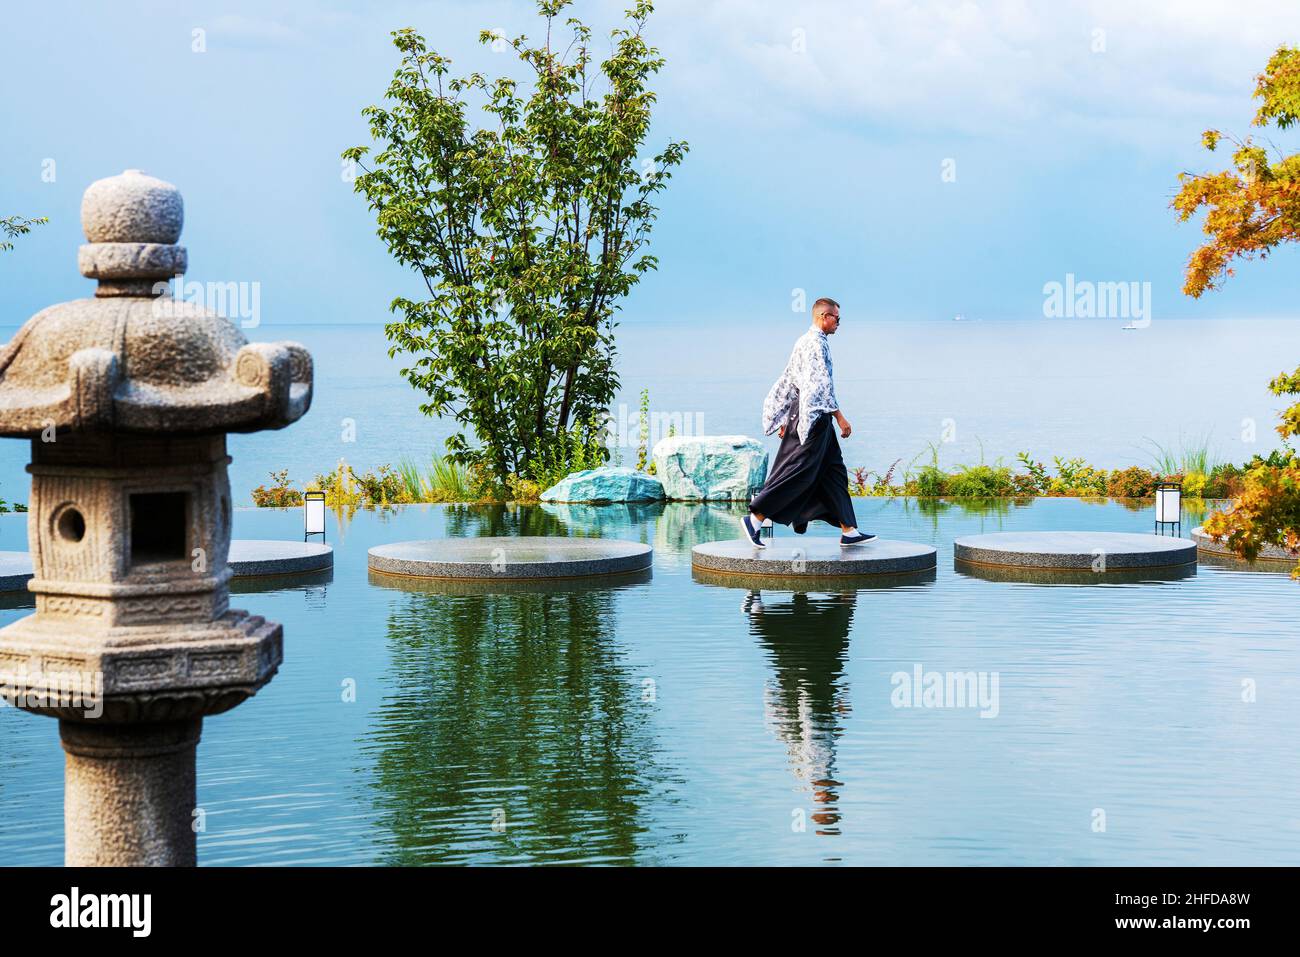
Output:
(978, 67)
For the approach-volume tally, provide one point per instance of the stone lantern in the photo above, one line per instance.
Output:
(127, 399)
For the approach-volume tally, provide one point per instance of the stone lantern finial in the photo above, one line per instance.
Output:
(127, 399)
(132, 223)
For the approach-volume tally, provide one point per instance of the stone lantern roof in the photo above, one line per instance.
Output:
(132, 360)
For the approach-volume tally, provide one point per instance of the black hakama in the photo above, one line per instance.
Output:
(808, 481)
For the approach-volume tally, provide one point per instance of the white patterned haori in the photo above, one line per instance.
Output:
(805, 389)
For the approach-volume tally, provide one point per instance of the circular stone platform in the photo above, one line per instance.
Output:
(15, 570)
(256, 556)
(510, 558)
(813, 558)
(1075, 551)
(248, 558)
(1271, 555)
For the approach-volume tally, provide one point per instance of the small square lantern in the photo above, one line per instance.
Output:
(313, 515)
(1169, 506)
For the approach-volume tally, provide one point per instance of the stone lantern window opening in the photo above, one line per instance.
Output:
(160, 524)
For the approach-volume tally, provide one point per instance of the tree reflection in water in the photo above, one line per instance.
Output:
(806, 699)
(512, 709)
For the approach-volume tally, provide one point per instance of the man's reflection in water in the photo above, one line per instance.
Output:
(807, 639)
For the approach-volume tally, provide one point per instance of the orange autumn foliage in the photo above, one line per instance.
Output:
(1249, 210)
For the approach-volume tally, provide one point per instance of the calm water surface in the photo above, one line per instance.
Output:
(671, 721)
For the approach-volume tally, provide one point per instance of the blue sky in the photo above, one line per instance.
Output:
(818, 135)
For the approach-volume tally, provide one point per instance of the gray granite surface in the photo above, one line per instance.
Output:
(1096, 552)
(252, 556)
(508, 558)
(813, 558)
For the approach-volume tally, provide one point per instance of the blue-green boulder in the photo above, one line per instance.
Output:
(710, 467)
(609, 484)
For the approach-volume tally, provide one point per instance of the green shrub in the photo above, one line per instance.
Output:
(383, 486)
(980, 481)
(573, 451)
(1024, 486)
(867, 482)
(643, 432)
(1194, 485)
(280, 493)
(1132, 482)
(929, 481)
(1035, 479)
(524, 490)
(1226, 481)
(1075, 477)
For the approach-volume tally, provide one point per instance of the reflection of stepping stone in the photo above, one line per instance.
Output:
(511, 586)
(1093, 552)
(1274, 556)
(813, 558)
(508, 558)
(248, 557)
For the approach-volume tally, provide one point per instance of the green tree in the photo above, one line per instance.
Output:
(527, 231)
(14, 226)
(1250, 210)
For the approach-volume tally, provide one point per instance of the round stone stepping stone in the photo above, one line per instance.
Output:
(510, 558)
(812, 558)
(248, 557)
(256, 556)
(1274, 557)
(15, 570)
(1093, 552)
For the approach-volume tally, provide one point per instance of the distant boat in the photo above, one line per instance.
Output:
(959, 318)
(1131, 325)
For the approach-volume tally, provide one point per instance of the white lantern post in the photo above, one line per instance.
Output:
(313, 515)
(1169, 506)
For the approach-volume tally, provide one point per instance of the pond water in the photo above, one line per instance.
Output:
(671, 721)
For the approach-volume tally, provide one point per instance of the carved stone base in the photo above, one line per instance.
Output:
(148, 674)
(129, 793)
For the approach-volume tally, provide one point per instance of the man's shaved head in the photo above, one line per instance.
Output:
(826, 315)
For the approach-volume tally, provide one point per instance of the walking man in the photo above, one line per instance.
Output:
(808, 481)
